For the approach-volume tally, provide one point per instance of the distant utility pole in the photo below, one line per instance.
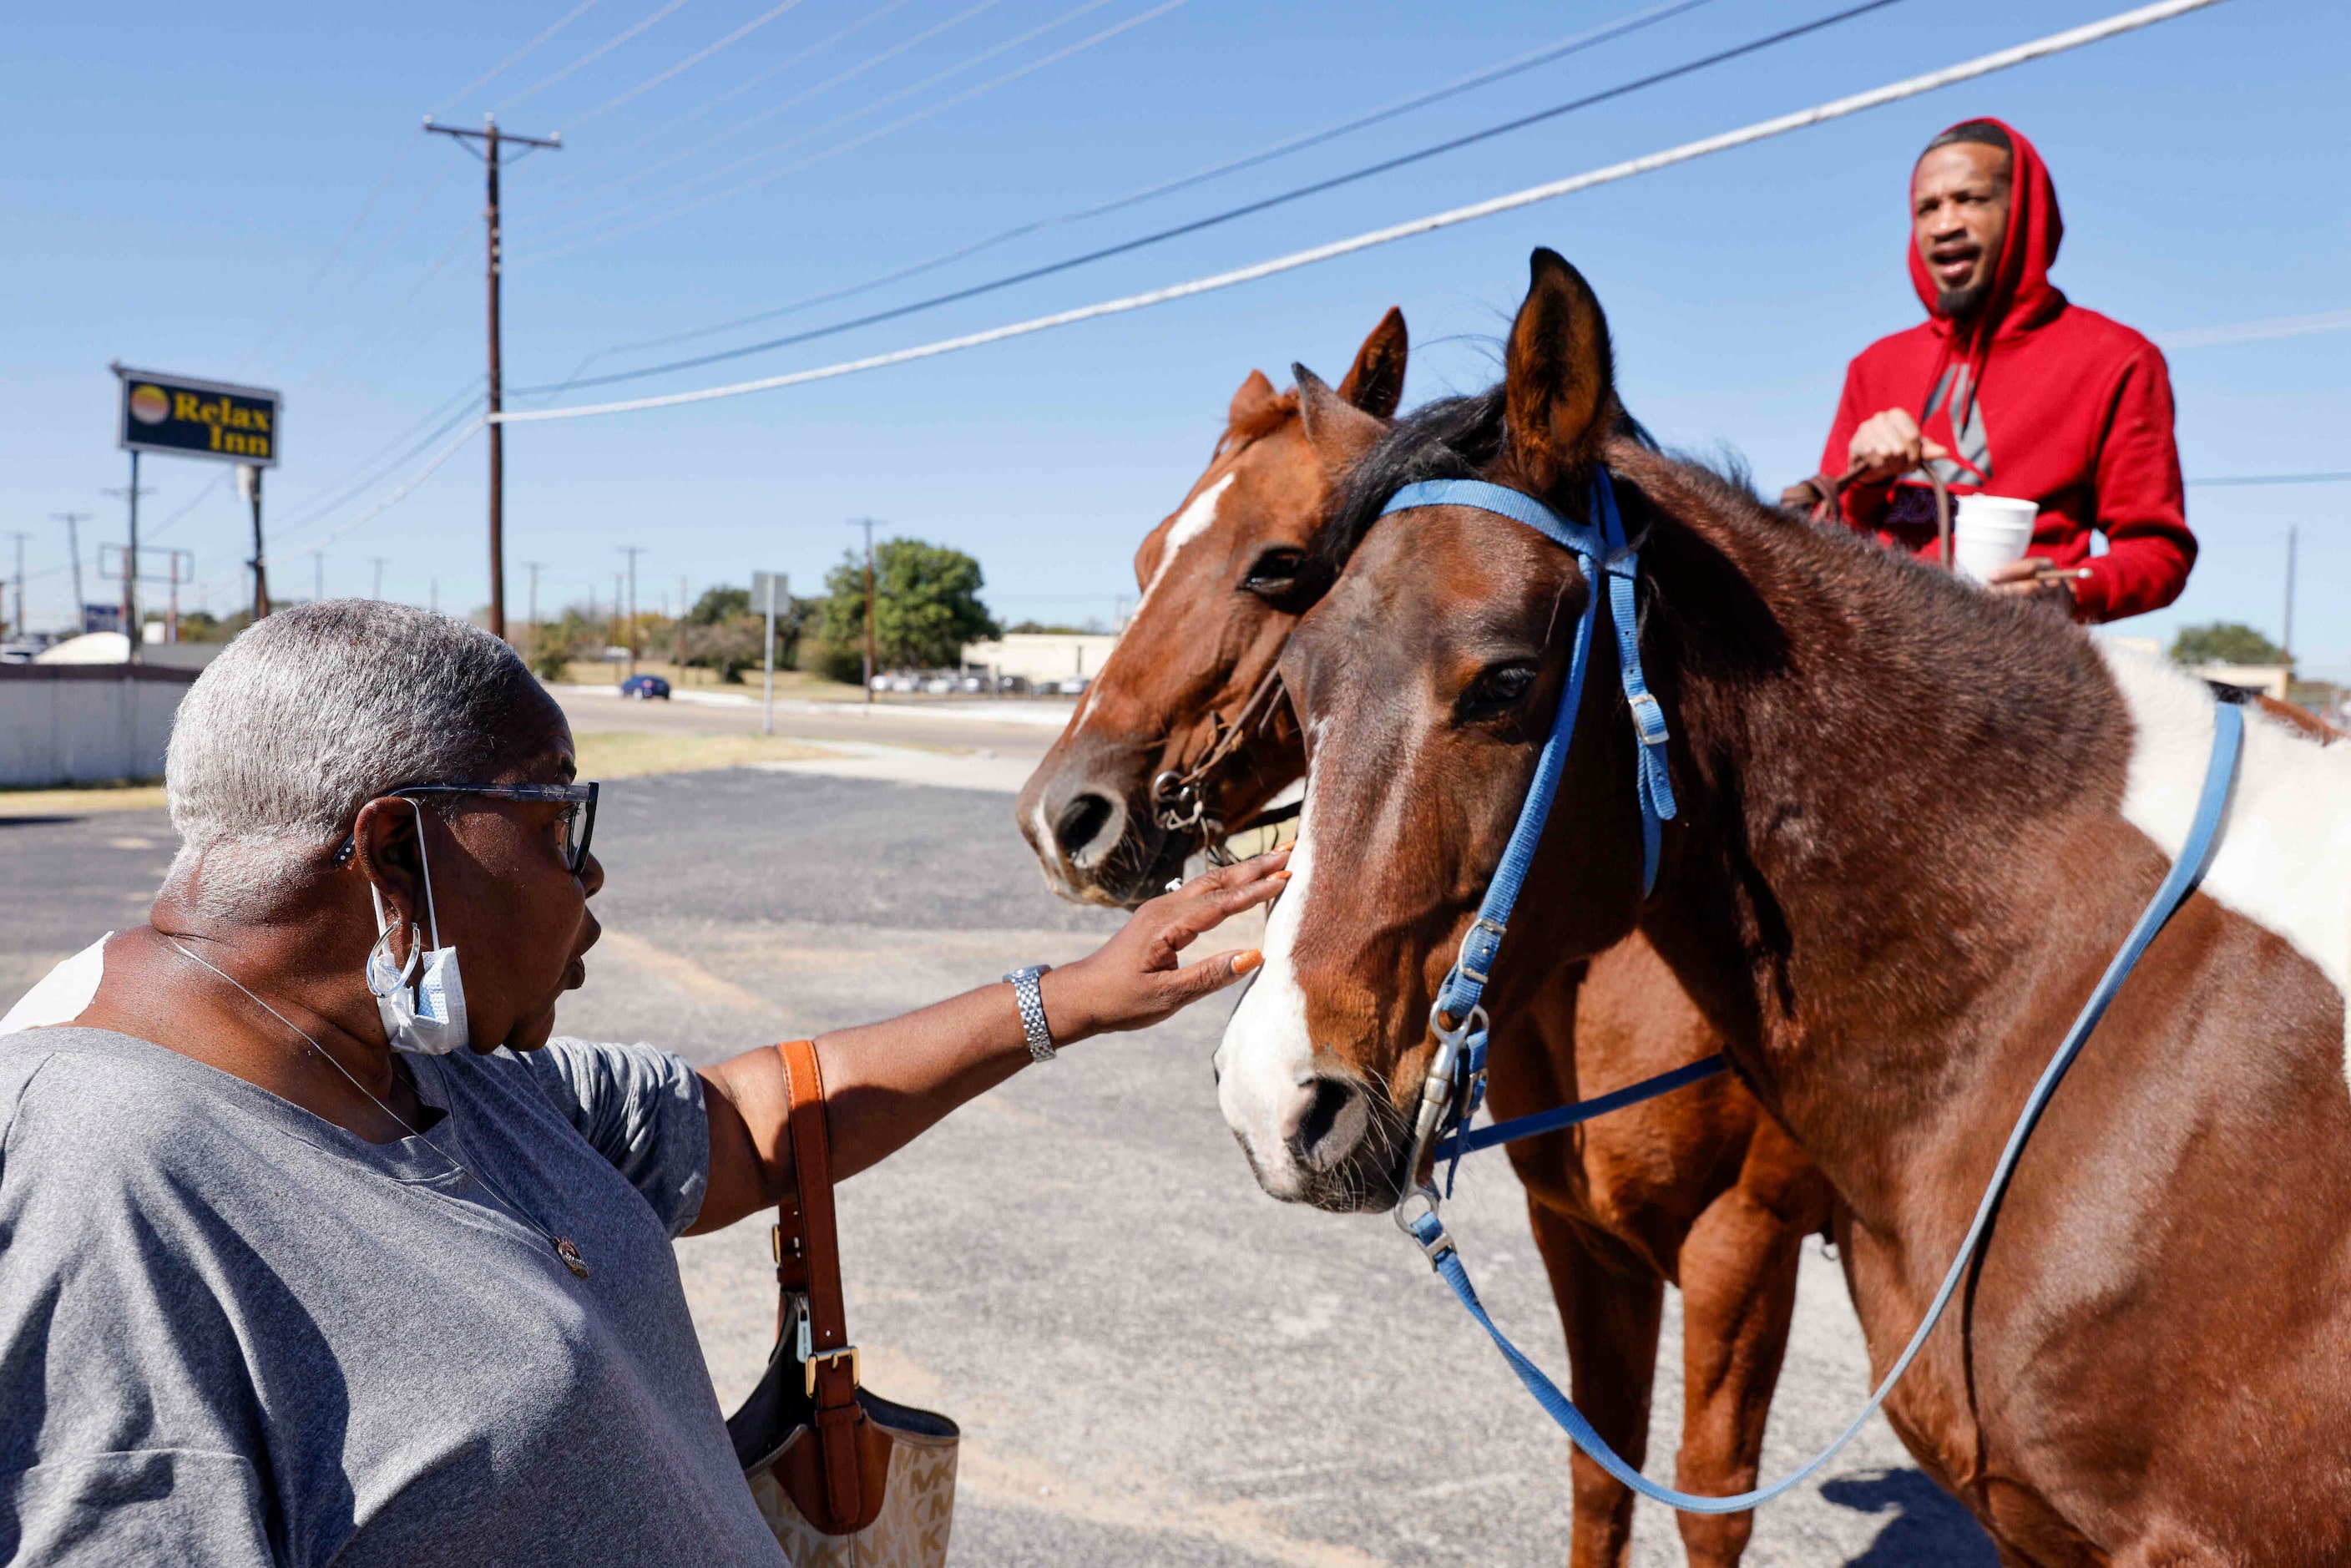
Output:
(492, 138)
(2288, 595)
(534, 565)
(319, 576)
(867, 524)
(617, 637)
(679, 626)
(248, 484)
(20, 538)
(73, 547)
(130, 557)
(632, 552)
(378, 593)
(435, 601)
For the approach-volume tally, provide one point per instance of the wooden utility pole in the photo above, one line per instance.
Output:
(73, 547)
(632, 552)
(532, 652)
(129, 559)
(491, 138)
(867, 524)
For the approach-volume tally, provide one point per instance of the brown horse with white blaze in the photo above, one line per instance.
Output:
(1701, 1191)
(1914, 824)
(1224, 578)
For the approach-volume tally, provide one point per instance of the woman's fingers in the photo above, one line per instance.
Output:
(1208, 902)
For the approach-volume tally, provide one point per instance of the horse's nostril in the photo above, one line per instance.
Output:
(1330, 1098)
(1081, 822)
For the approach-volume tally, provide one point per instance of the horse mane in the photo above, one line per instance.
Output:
(1259, 422)
(1896, 611)
(1450, 438)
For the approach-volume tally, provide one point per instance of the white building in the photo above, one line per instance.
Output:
(1042, 655)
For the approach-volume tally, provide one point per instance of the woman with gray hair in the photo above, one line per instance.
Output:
(315, 1248)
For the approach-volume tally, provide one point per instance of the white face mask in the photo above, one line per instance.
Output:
(430, 1021)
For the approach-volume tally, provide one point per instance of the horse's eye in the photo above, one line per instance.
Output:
(1274, 573)
(1502, 687)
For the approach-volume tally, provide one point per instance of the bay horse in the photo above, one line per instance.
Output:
(1915, 821)
(1700, 1190)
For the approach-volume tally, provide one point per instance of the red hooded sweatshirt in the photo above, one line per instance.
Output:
(2056, 404)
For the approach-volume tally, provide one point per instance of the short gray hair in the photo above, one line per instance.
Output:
(312, 713)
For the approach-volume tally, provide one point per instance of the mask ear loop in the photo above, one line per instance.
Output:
(425, 860)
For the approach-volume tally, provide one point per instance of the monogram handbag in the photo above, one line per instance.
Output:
(844, 1478)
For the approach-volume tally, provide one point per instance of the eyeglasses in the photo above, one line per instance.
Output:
(578, 822)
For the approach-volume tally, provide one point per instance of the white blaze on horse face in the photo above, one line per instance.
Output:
(1190, 523)
(1265, 1064)
(2284, 855)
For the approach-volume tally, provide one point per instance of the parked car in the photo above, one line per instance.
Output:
(938, 686)
(1074, 686)
(643, 687)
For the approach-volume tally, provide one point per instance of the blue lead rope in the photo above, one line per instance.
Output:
(2185, 872)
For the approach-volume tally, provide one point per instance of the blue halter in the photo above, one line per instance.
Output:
(1457, 1072)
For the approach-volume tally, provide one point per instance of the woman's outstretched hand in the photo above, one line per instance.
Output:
(1138, 976)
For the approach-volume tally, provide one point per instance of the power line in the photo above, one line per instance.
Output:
(2256, 331)
(839, 120)
(598, 53)
(374, 470)
(896, 125)
(374, 258)
(407, 485)
(858, 69)
(367, 337)
(2338, 478)
(1560, 48)
(1230, 214)
(1802, 118)
(581, 170)
(512, 60)
(687, 64)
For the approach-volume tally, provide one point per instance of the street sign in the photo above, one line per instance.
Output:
(191, 418)
(771, 591)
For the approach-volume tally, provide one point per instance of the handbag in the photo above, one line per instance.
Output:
(844, 1478)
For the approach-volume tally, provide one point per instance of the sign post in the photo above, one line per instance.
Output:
(766, 588)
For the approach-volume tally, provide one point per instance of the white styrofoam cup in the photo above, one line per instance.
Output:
(1989, 531)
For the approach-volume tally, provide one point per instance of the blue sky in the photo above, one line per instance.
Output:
(245, 193)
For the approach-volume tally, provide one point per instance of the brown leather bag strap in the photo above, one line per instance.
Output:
(833, 1360)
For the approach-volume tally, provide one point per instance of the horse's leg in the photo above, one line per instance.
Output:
(1609, 1307)
(1738, 1293)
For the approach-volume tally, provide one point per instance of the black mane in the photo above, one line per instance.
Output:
(1451, 438)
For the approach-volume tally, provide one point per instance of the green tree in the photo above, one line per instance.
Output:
(925, 608)
(2224, 642)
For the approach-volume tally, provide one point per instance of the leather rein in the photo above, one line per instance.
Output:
(1179, 797)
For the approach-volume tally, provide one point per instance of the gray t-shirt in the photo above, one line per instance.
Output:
(234, 1334)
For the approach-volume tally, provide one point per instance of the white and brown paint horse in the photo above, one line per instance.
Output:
(1916, 822)
(1701, 1190)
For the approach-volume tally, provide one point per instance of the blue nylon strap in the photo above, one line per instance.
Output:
(1610, 566)
(1467, 1141)
(2203, 834)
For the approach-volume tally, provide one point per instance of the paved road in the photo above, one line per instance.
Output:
(1154, 1364)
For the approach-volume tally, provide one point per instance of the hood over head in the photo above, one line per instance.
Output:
(2021, 296)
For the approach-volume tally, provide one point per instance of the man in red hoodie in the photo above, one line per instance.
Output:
(2009, 390)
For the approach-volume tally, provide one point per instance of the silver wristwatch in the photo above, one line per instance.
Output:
(1031, 998)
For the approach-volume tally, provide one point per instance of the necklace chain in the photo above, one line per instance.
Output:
(565, 1247)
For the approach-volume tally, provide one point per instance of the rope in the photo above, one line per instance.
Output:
(1835, 109)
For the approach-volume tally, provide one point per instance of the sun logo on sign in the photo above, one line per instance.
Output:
(149, 405)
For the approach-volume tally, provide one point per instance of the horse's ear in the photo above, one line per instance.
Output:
(1374, 382)
(1252, 402)
(1560, 377)
(1338, 431)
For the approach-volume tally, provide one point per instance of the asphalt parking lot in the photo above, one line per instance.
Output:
(1154, 1364)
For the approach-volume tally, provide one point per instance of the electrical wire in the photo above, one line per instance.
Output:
(374, 259)
(707, 142)
(379, 465)
(687, 64)
(598, 53)
(512, 60)
(1760, 130)
(370, 335)
(406, 488)
(901, 123)
(1573, 44)
(1230, 214)
(581, 170)
(835, 123)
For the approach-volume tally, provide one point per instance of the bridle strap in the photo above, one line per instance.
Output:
(1175, 795)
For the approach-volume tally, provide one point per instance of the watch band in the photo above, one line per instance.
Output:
(1032, 998)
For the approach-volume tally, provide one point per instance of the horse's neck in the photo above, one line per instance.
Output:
(1899, 787)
